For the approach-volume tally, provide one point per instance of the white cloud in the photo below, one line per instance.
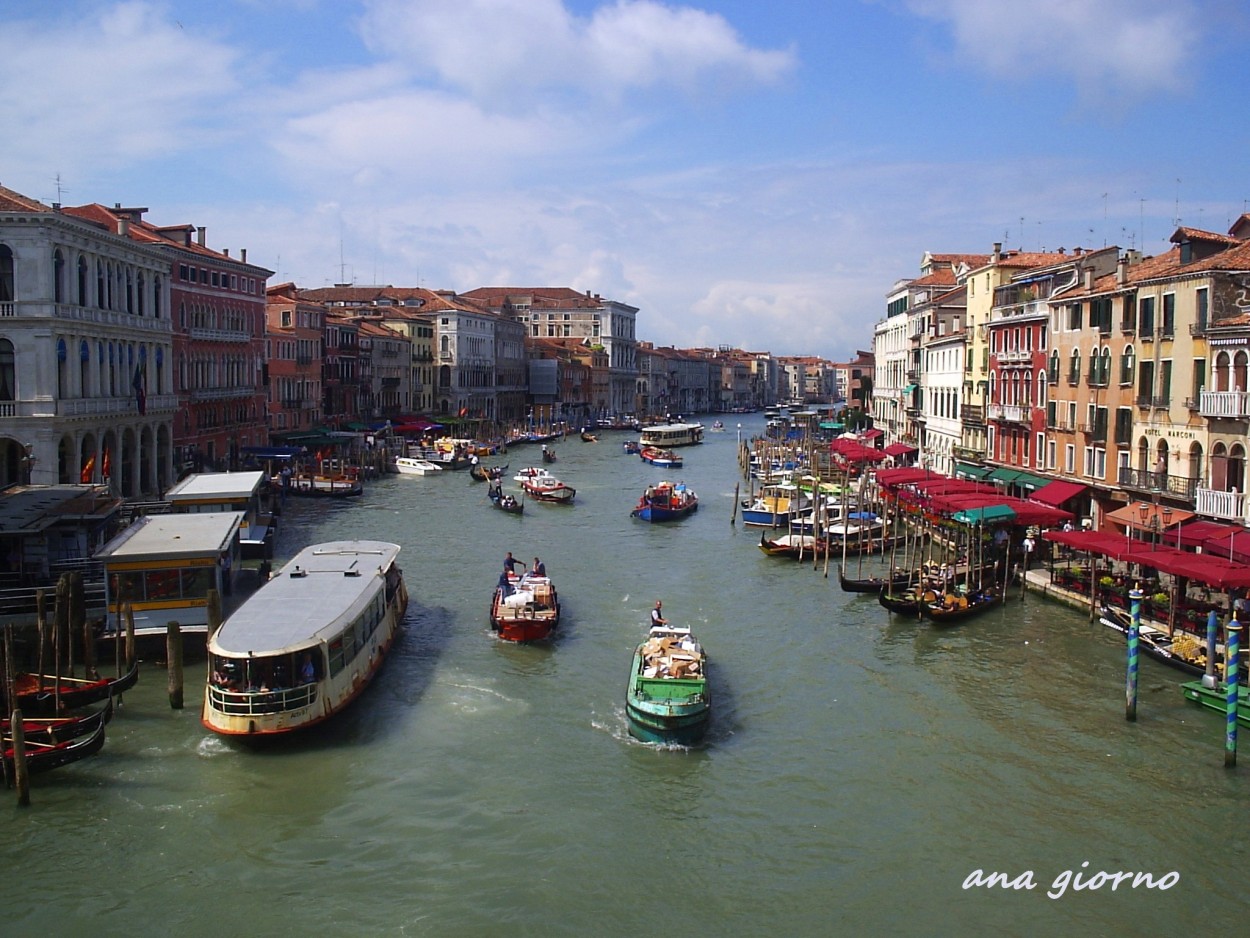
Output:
(1106, 47)
(116, 85)
(500, 51)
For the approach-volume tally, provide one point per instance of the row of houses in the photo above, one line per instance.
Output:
(131, 352)
(1124, 375)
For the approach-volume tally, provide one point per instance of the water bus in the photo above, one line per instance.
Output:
(668, 435)
(308, 642)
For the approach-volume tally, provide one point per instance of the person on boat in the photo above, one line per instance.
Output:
(539, 568)
(505, 585)
(657, 615)
(307, 673)
(510, 564)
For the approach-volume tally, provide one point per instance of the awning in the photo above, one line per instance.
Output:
(1002, 474)
(900, 449)
(872, 434)
(1026, 480)
(1235, 545)
(1056, 493)
(986, 515)
(1139, 515)
(1197, 533)
(1104, 543)
(968, 471)
(1209, 570)
(910, 388)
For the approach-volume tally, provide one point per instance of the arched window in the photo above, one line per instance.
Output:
(58, 276)
(1104, 368)
(101, 289)
(1074, 367)
(8, 371)
(83, 274)
(6, 275)
(84, 368)
(1041, 389)
(1127, 366)
(1054, 366)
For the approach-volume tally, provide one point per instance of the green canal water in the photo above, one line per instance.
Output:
(859, 768)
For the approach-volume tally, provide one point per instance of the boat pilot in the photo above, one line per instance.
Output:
(510, 564)
(657, 616)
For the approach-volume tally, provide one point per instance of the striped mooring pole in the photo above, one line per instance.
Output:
(1232, 687)
(1209, 679)
(1130, 680)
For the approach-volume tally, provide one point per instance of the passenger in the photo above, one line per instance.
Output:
(307, 673)
(539, 568)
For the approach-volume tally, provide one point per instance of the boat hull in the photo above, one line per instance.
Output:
(73, 693)
(534, 621)
(1216, 698)
(671, 710)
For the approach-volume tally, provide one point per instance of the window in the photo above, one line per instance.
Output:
(1146, 315)
(1165, 381)
(1069, 459)
(1169, 313)
(1202, 298)
(1200, 377)
(1074, 317)
(1123, 425)
(1145, 382)
(1074, 367)
(1126, 367)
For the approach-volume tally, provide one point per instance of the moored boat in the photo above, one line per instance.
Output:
(793, 545)
(331, 486)
(952, 608)
(42, 693)
(631, 447)
(1216, 698)
(666, 501)
(526, 609)
(667, 700)
(773, 506)
(308, 642)
(412, 465)
(59, 729)
(43, 756)
(906, 602)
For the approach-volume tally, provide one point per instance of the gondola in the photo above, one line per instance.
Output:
(549, 455)
(906, 603)
(59, 729)
(509, 504)
(966, 607)
(588, 437)
(1180, 650)
(480, 473)
(41, 757)
(874, 584)
(74, 692)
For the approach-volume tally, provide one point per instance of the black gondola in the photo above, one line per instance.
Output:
(906, 603)
(74, 692)
(59, 729)
(40, 756)
(549, 455)
(965, 607)
(874, 584)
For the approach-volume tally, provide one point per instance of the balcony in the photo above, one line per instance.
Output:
(1228, 404)
(1010, 413)
(1141, 480)
(1015, 355)
(1198, 328)
(1227, 506)
(965, 452)
(972, 415)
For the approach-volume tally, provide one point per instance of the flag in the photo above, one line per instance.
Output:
(139, 383)
(88, 468)
(106, 465)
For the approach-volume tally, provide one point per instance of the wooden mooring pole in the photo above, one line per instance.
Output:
(173, 654)
(1130, 680)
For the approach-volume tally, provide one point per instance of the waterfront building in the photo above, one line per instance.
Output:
(560, 312)
(340, 368)
(385, 372)
(853, 380)
(942, 379)
(86, 343)
(890, 349)
(295, 329)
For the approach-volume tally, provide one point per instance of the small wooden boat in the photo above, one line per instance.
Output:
(666, 501)
(526, 610)
(952, 608)
(793, 545)
(549, 455)
(667, 699)
(44, 756)
(481, 473)
(904, 603)
(1216, 698)
(588, 437)
(508, 503)
(874, 584)
(323, 486)
(631, 447)
(59, 729)
(664, 458)
(530, 472)
(548, 488)
(40, 696)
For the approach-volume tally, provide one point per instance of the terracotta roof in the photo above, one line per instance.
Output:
(1198, 234)
(11, 201)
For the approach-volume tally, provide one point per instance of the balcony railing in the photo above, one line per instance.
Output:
(1011, 413)
(967, 452)
(1234, 404)
(1142, 480)
(1198, 328)
(972, 414)
(1228, 506)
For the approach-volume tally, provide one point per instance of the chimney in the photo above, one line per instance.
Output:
(1121, 271)
(201, 236)
(998, 252)
(243, 255)
(123, 226)
(225, 251)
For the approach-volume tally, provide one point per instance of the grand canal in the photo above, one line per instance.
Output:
(859, 769)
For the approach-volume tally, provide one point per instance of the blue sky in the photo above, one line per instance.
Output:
(747, 174)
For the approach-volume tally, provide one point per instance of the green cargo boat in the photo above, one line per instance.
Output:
(1217, 699)
(667, 700)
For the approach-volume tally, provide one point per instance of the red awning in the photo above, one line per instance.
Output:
(1056, 493)
(893, 478)
(872, 434)
(1105, 543)
(1234, 545)
(900, 449)
(1197, 533)
(1209, 570)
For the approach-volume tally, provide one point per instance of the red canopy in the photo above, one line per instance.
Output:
(1105, 543)
(855, 450)
(872, 434)
(1205, 569)
(893, 478)
(1235, 545)
(1056, 493)
(900, 449)
(1197, 533)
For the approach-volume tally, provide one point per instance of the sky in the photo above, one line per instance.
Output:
(747, 174)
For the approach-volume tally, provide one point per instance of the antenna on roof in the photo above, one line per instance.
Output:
(60, 189)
